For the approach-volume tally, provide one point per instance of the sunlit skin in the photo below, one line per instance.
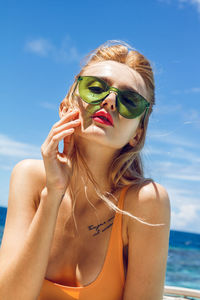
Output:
(98, 142)
(55, 221)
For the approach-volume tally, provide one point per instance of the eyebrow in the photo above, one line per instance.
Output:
(124, 88)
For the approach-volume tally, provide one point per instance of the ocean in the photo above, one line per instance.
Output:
(183, 264)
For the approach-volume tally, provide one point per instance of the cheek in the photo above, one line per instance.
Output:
(86, 111)
(130, 126)
(81, 106)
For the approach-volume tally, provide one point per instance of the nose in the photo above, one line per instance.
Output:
(110, 101)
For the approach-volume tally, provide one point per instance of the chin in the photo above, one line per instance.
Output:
(98, 137)
(91, 132)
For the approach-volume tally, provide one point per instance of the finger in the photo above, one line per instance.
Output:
(67, 117)
(53, 145)
(51, 149)
(68, 144)
(68, 125)
(65, 126)
(70, 115)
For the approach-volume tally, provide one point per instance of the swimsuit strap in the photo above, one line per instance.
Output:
(115, 248)
(122, 196)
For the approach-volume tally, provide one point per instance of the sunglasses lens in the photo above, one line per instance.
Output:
(92, 90)
(131, 105)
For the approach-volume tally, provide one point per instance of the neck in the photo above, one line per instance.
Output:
(98, 159)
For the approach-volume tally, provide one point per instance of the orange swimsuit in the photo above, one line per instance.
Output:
(109, 284)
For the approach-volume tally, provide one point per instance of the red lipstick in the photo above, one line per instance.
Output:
(103, 117)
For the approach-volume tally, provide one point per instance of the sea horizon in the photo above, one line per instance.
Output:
(172, 229)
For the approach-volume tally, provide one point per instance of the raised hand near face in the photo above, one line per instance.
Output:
(58, 165)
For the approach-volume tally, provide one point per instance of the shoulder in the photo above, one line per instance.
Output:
(29, 166)
(147, 241)
(150, 203)
(30, 172)
(27, 178)
(147, 192)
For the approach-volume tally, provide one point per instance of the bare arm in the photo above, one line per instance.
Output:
(148, 245)
(29, 230)
(28, 236)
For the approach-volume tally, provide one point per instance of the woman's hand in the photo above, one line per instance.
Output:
(58, 165)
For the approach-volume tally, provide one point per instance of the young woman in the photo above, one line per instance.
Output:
(85, 223)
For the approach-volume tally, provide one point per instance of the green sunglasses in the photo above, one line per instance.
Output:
(129, 104)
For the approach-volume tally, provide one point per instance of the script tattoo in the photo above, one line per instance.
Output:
(101, 227)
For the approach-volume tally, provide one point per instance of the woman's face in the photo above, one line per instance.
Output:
(123, 130)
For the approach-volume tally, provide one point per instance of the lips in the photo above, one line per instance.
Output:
(105, 117)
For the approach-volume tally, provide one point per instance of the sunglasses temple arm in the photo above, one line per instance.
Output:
(75, 87)
(145, 114)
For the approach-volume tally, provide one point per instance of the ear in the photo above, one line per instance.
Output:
(134, 140)
(62, 110)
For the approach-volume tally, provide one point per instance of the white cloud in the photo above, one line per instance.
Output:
(66, 52)
(11, 152)
(182, 195)
(182, 171)
(188, 177)
(173, 153)
(172, 139)
(165, 1)
(185, 208)
(5, 167)
(173, 161)
(167, 109)
(193, 90)
(196, 3)
(49, 105)
(39, 46)
(12, 148)
(186, 218)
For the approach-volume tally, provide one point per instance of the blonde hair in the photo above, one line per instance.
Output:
(126, 168)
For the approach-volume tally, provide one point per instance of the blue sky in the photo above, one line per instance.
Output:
(42, 44)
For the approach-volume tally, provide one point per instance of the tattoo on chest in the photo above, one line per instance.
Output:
(97, 229)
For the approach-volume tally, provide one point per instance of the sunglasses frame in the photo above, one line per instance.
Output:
(117, 93)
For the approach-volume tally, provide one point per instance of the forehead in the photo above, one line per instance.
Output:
(119, 75)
